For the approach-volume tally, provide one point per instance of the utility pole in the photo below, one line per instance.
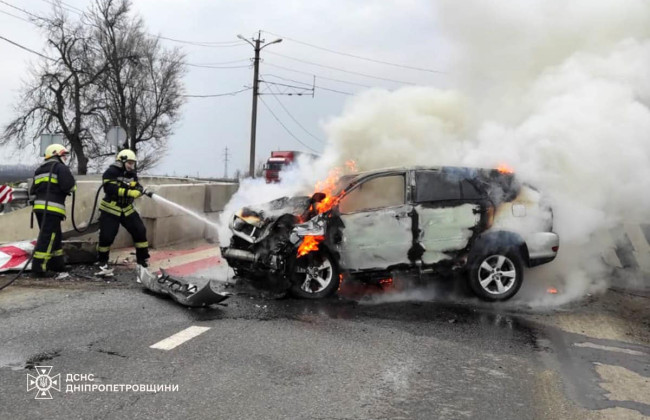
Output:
(256, 70)
(225, 161)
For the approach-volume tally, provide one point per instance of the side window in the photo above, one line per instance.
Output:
(436, 186)
(469, 191)
(376, 193)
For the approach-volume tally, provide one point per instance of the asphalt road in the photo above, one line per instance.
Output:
(376, 357)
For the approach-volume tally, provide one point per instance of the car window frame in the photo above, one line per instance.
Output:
(482, 194)
(359, 182)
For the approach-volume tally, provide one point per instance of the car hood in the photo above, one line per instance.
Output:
(261, 214)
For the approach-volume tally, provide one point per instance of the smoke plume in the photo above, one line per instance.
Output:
(557, 90)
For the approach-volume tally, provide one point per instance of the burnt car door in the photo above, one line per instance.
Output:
(376, 220)
(447, 210)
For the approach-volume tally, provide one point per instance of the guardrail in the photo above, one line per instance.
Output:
(20, 200)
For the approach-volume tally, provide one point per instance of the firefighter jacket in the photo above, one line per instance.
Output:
(53, 181)
(117, 182)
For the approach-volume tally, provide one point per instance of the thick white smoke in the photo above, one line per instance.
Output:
(557, 90)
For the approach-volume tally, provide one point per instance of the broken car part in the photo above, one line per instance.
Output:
(183, 292)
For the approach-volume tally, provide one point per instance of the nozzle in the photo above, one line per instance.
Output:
(148, 193)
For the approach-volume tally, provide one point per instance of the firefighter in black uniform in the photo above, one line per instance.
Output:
(121, 188)
(53, 181)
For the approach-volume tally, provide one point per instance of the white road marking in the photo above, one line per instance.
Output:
(608, 348)
(179, 338)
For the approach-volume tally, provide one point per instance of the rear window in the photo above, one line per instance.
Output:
(469, 190)
(436, 186)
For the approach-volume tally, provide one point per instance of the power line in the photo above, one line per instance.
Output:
(26, 49)
(210, 44)
(285, 127)
(69, 8)
(295, 120)
(334, 90)
(17, 17)
(18, 8)
(309, 84)
(288, 80)
(216, 67)
(358, 57)
(314, 74)
(223, 62)
(217, 94)
(343, 70)
(289, 90)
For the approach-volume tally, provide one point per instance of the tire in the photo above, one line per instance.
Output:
(314, 276)
(496, 276)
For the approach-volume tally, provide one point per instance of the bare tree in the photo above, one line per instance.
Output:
(144, 94)
(62, 94)
(100, 71)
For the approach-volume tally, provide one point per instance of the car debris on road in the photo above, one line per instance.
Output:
(180, 290)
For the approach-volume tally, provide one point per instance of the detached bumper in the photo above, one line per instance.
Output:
(542, 247)
(183, 292)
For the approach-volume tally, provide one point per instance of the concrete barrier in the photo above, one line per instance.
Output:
(14, 226)
(165, 225)
(217, 196)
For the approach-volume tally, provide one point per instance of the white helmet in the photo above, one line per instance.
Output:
(55, 150)
(126, 155)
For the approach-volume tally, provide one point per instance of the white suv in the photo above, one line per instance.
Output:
(429, 220)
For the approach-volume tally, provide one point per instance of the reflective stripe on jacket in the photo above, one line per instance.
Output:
(117, 182)
(53, 182)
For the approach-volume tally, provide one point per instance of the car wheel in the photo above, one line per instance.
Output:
(496, 275)
(314, 275)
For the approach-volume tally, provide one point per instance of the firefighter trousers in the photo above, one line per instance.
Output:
(109, 224)
(48, 254)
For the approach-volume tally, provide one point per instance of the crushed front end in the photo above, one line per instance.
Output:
(266, 240)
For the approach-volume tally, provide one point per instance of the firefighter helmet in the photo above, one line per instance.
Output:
(55, 150)
(126, 155)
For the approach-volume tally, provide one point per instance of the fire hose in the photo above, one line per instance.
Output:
(74, 225)
(184, 293)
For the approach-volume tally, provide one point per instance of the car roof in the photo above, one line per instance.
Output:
(461, 170)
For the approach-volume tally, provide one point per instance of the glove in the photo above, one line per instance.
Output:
(147, 193)
(134, 193)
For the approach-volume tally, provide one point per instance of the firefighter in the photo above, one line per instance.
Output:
(121, 188)
(53, 181)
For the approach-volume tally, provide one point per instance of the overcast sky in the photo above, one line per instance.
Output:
(401, 32)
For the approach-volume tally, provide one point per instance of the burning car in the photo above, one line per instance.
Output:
(483, 223)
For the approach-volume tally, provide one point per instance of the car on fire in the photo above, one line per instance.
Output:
(481, 223)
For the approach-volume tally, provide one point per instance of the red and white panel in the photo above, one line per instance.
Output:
(15, 255)
(6, 194)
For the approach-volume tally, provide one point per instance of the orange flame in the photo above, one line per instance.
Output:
(309, 244)
(552, 290)
(505, 169)
(329, 184)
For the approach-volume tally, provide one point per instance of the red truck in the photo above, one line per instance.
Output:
(278, 161)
